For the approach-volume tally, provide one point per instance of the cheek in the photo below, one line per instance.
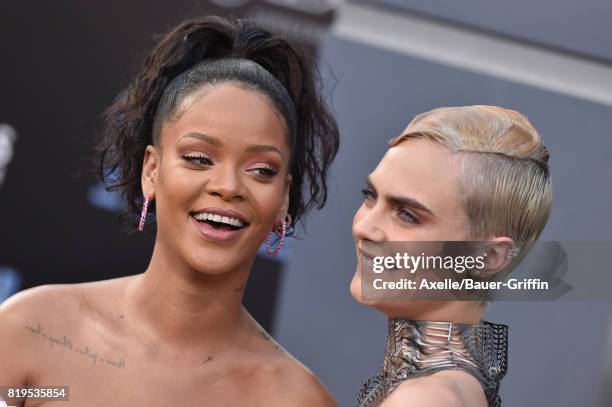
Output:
(178, 191)
(266, 199)
(416, 234)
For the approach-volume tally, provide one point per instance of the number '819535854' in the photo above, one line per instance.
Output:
(57, 393)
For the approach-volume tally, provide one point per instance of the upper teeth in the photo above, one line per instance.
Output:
(218, 218)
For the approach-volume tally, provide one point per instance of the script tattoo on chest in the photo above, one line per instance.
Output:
(65, 342)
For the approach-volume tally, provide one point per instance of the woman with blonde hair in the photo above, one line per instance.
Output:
(475, 173)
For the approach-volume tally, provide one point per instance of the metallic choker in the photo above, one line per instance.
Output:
(419, 348)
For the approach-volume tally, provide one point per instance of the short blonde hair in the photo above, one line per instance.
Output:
(505, 181)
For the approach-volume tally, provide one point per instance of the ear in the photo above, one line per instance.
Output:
(282, 212)
(150, 167)
(498, 254)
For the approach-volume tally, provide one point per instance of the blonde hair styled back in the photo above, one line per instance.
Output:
(505, 182)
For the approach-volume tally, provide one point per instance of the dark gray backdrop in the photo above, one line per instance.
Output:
(557, 350)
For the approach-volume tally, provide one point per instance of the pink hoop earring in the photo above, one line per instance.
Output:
(284, 225)
(143, 214)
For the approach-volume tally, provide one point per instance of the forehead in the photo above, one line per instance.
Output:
(422, 170)
(229, 112)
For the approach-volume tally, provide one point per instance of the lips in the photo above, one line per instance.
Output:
(222, 213)
(219, 225)
(365, 259)
(361, 253)
(366, 255)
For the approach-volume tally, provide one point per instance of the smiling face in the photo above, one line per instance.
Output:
(412, 195)
(220, 177)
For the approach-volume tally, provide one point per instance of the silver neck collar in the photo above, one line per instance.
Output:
(418, 348)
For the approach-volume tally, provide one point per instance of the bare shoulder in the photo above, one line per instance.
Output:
(60, 300)
(443, 389)
(289, 383)
(22, 317)
(36, 300)
(280, 379)
(28, 317)
(48, 306)
(28, 310)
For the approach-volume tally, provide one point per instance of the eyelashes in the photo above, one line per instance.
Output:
(368, 194)
(201, 160)
(407, 216)
(262, 170)
(403, 213)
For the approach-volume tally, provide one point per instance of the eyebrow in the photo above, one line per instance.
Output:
(214, 141)
(259, 148)
(203, 137)
(401, 200)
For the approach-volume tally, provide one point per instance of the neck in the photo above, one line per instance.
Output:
(419, 348)
(424, 346)
(416, 348)
(459, 312)
(180, 305)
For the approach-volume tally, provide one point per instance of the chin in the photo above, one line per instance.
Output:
(216, 261)
(355, 289)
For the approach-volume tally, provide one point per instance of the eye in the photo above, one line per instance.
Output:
(263, 169)
(408, 217)
(198, 159)
(368, 194)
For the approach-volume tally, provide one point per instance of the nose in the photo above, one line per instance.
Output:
(367, 225)
(225, 183)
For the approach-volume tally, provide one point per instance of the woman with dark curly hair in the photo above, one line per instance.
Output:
(224, 138)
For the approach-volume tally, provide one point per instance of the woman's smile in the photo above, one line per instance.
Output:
(219, 225)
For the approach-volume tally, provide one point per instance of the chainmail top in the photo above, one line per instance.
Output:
(419, 348)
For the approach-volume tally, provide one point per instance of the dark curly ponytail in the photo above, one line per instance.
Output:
(212, 50)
